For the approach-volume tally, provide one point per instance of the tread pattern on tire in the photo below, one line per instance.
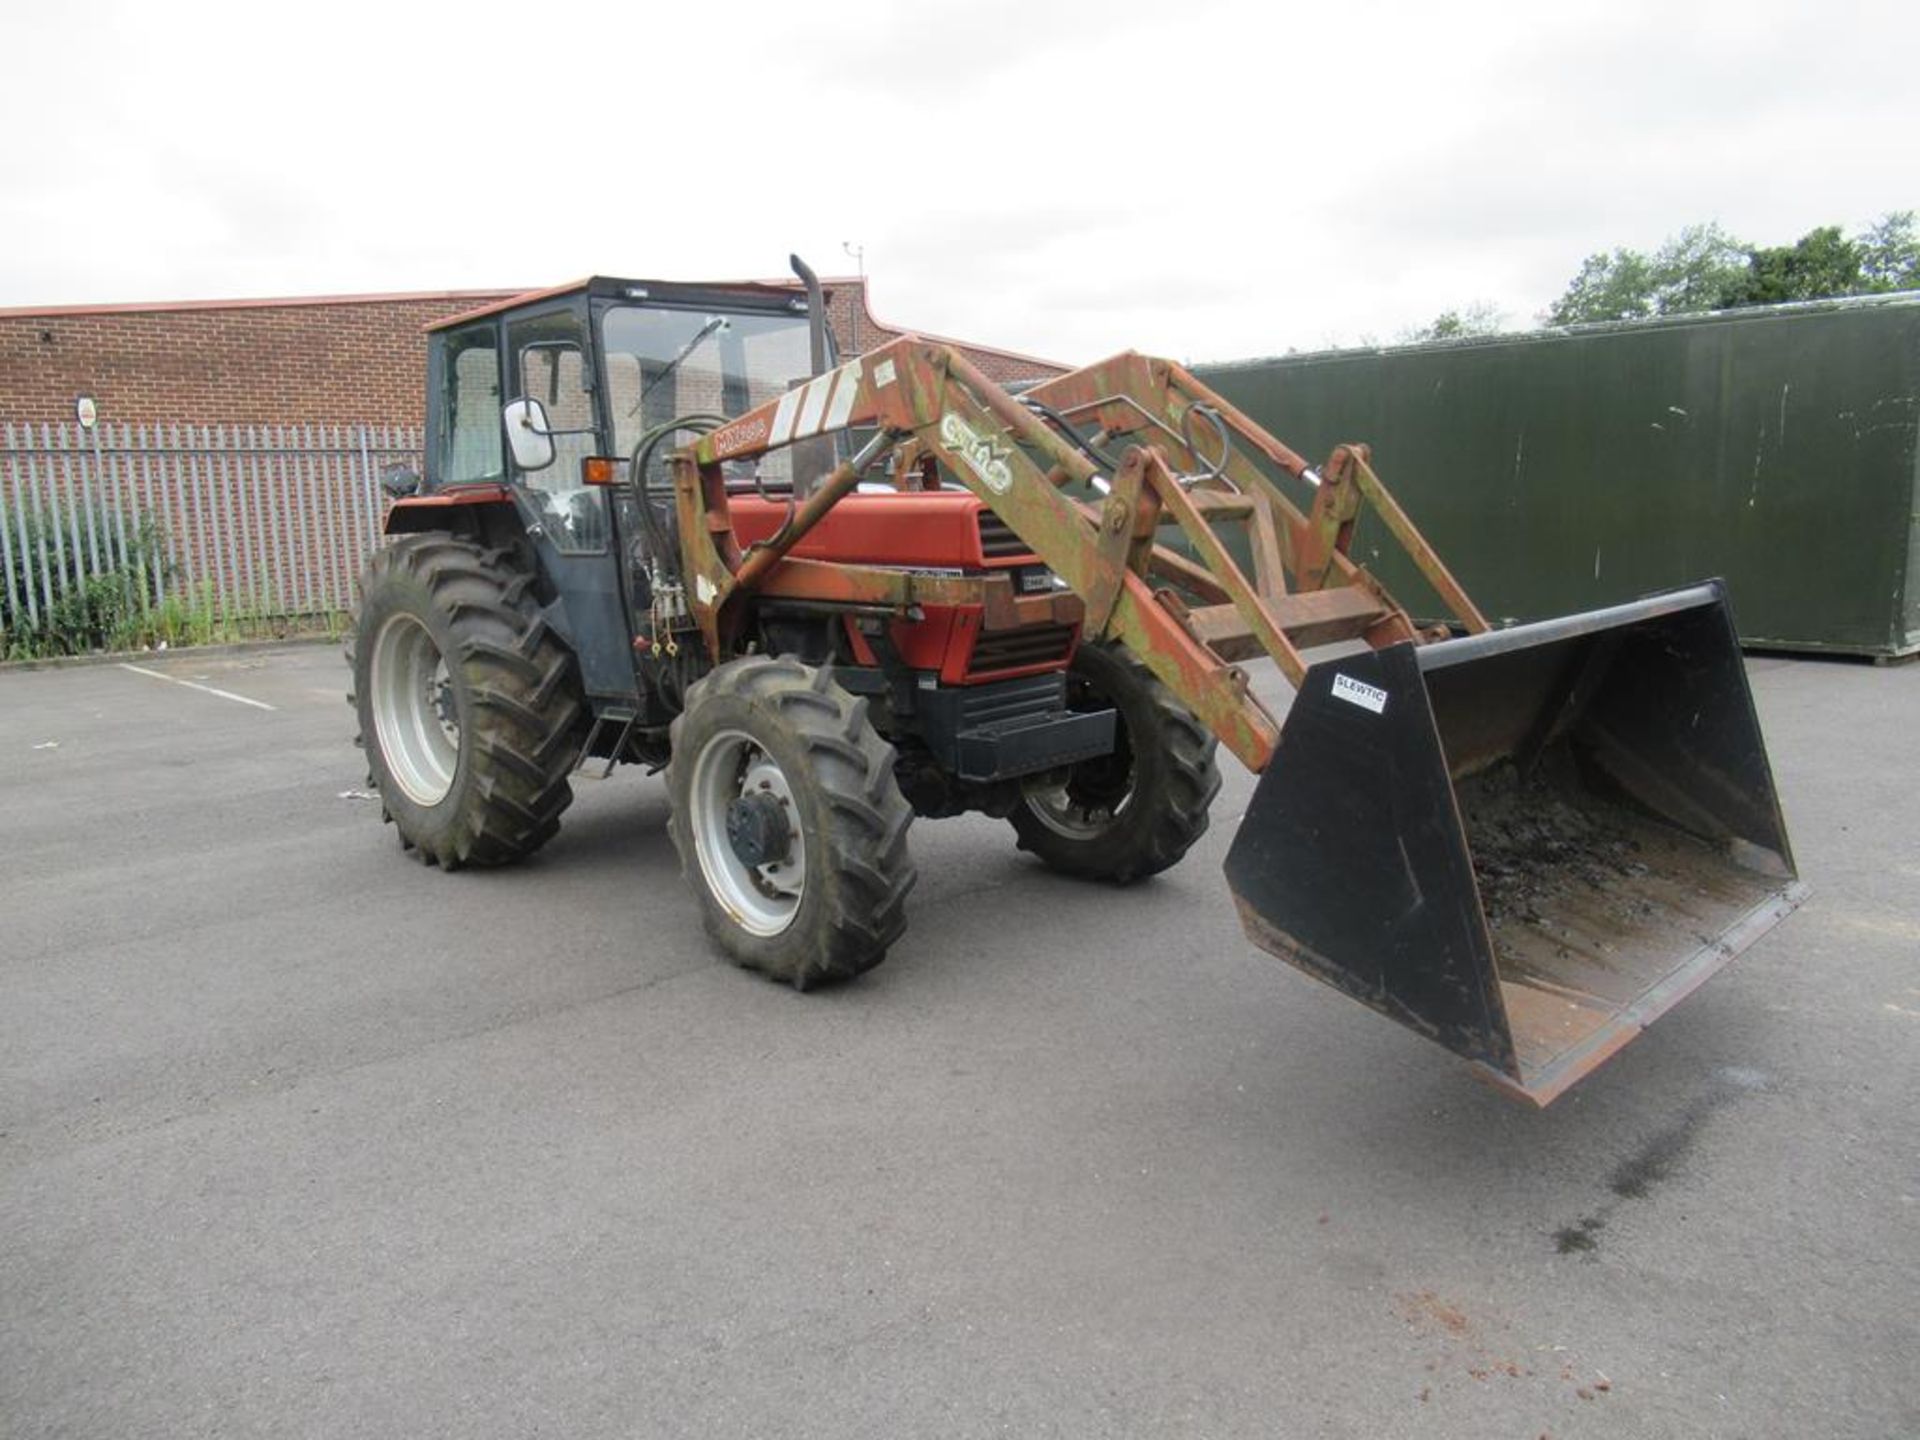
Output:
(1173, 820)
(869, 871)
(511, 785)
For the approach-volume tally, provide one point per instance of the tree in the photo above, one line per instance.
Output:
(1820, 264)
(1693, 270)
(1482, 317)
(1616, 286)
(1890, 253)
(1704, 268)
(1689, 272)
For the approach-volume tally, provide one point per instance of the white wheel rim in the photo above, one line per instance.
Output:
(414, 720)
(762, 899)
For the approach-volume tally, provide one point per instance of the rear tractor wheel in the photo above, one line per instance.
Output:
(790, 827)
(1137, 811)
(468, 705)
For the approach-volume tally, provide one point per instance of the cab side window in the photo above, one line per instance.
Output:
(471, 442)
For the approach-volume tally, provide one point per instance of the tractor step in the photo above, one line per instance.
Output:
(606, 720)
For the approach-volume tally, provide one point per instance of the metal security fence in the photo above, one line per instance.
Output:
(245, 522)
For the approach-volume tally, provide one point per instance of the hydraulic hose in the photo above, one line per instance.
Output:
(1047, 412)
(661, 543)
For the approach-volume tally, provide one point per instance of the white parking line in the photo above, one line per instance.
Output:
(196, 685)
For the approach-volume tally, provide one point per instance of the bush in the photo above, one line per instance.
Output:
(107, 610)
(129, 605)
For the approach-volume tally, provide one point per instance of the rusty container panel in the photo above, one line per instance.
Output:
(1562, 470)
(1526, 845)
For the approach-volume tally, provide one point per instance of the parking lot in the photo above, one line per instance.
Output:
(298, 1137)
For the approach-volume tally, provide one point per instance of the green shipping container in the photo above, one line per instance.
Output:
(1568, 469)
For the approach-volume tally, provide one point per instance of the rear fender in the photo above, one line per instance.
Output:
(475, 507)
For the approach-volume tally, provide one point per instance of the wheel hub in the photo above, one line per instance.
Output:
(758, 830)
(752, 850)
(440, 701)
(1083, 802)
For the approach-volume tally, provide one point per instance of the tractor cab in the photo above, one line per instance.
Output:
(524, 393)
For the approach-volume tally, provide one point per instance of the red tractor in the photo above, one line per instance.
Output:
(663, 524)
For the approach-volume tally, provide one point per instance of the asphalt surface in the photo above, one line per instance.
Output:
(299, 1138)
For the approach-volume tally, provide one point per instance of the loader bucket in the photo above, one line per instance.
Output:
(1526, 844)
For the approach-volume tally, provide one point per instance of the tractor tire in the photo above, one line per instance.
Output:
(1134, 813)
(790, 827)
(469, 705)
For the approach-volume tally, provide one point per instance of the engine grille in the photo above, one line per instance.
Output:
(997, 540)
(1009, 649)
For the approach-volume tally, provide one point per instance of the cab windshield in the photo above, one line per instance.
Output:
(662, 364)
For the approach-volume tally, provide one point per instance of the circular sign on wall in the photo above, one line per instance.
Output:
(86, 412)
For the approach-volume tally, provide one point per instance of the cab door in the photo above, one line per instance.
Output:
(569, 521)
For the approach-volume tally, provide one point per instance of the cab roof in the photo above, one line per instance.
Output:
(752, 293)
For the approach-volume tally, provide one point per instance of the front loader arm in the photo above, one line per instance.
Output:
(1305, 590)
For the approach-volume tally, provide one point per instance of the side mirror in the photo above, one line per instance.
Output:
(528, 434)
(399, 481)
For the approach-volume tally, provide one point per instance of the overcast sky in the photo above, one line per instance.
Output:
(1204, 180)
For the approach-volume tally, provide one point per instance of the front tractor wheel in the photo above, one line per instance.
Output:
(468, 705)
(790, 827)
(1137, 811)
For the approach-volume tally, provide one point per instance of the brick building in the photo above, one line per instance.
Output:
(248, 435)
(358, 359)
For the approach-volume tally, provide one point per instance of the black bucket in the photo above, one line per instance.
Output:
(1528, 844)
